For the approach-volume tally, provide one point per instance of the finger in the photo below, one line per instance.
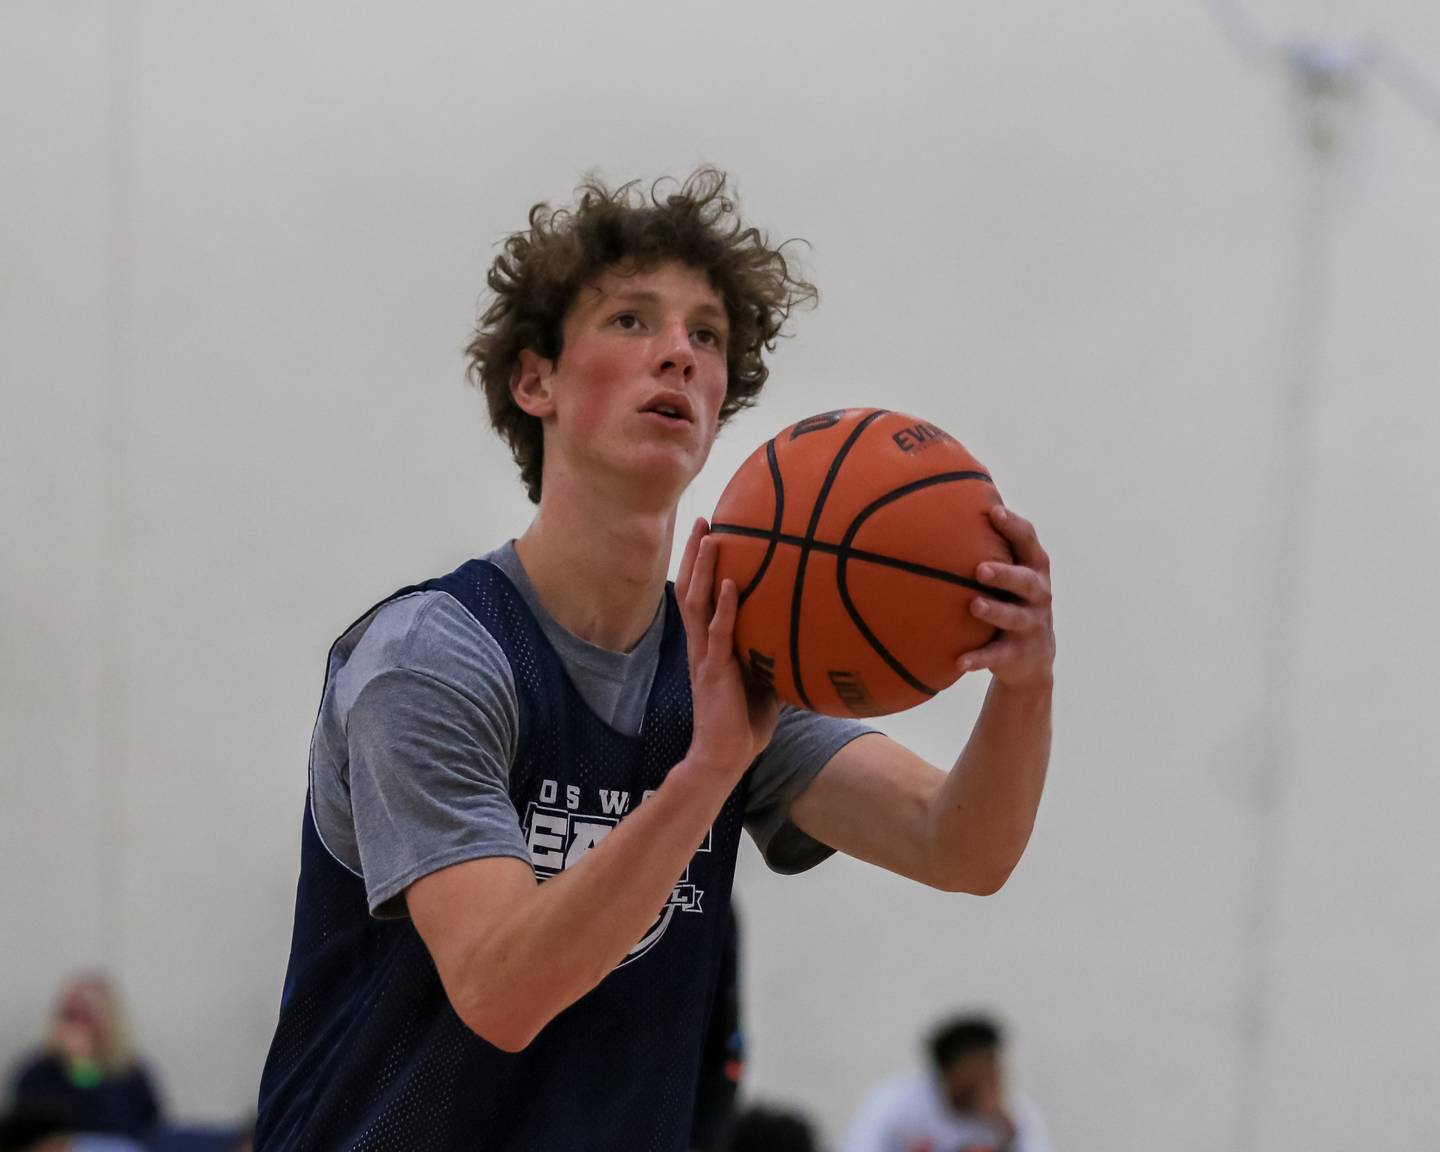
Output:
(988, 655)
(699, 600)
(696, 608)
(722, 624)
(1021, 535)
(687, 561)
(1008, 617)
(1029, 585)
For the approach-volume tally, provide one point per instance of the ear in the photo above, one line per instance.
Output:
(530, 383)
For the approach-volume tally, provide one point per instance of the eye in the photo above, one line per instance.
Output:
(627, 321)
(708, 336)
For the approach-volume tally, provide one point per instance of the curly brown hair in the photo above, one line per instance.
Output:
(540, 270)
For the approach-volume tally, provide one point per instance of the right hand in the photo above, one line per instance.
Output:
(733, 719)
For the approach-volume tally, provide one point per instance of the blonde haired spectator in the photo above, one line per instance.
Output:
(88, 1075)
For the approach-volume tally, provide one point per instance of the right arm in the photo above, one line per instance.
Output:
(513, 953)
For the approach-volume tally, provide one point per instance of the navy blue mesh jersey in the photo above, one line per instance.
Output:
(368, 1053)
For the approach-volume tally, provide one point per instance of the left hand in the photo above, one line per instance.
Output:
(733, 717)
(1023, 655)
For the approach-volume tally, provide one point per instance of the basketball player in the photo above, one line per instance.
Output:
(529, 777)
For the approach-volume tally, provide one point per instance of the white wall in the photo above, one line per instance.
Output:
(55, 493)
(240, 252)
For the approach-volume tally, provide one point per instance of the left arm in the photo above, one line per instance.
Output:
(965, 830)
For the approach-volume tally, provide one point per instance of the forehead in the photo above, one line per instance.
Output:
(972, 1061)
(673, 283)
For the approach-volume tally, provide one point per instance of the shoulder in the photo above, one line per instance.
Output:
(891, 1106)
(37, 1068)
(802, 745)
(420, 659)
(799, 720)
(916, 1099)
(908, 1091)
(429, 633)
(137, 1074)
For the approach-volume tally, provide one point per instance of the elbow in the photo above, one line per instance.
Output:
(506, 1041)
(498, 1011)
(974, 878)
(988, 884)
(509, 1031)
(510, 1012)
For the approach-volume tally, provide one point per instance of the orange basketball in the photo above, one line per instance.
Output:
(853, 538)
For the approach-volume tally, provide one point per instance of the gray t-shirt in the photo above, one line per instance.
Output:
(418, 726)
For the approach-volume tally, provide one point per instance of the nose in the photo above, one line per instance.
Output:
(675, 353)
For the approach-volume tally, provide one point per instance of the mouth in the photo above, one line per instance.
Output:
(672, 407)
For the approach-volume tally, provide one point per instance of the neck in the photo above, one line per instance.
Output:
(598, 564)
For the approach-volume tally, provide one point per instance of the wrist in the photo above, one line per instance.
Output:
(708, 760)
(707, 772)
(1034, 695)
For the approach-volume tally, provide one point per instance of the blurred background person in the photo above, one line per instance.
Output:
(29, 1129)
(87, 1076)
(961, 1104)
(763, 1129)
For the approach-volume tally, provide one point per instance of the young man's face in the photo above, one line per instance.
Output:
(637, 388)
(973, 1081)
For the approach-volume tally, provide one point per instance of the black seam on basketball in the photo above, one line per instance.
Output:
(847, 551)
(778, 481)
(874, 641)
(861, 555)
(843, 587)
(799, 589)
(903, 491)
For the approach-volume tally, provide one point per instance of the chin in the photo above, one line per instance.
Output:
(663, 484)
(671, 469)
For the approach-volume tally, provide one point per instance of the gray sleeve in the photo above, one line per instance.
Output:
(430, 731)
(802, 745)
